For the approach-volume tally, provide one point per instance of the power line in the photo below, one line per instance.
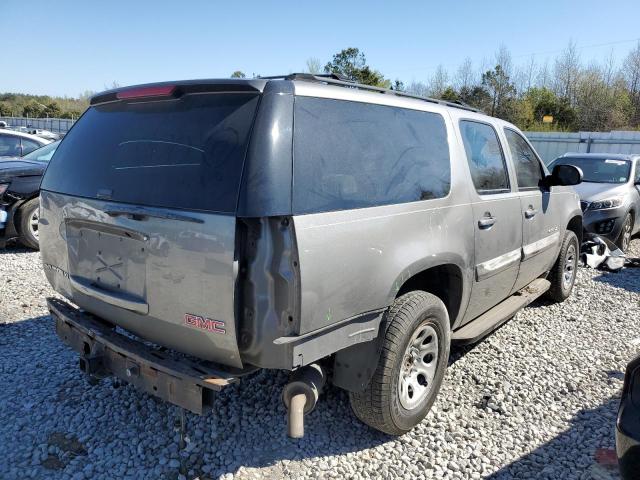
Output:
(583, 47)
(595, 45)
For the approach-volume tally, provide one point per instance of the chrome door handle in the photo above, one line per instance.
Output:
(530, 212)
(486, 222)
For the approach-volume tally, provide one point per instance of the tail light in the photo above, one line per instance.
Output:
(142, 92)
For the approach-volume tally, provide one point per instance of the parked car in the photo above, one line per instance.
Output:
(17, 144)
(19, 187)
(608, 193)
(46, 134)
(628, 424)
(365, 236)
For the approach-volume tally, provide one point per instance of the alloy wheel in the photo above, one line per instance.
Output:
(33, 223)
(570, 264)
(419, 365)
(626, 233)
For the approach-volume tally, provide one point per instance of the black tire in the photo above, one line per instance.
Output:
(379, 405)
(562, 286)
(624, 239)
(25, 216)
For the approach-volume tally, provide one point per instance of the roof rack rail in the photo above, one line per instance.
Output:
(339, 80)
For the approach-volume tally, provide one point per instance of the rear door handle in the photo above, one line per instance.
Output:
(486, 222)
(530, 212)
(143, 214)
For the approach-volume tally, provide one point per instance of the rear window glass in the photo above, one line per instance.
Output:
(353, 155)
(183, 153)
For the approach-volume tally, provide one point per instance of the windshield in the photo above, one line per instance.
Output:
(598, 170)
(42, 154)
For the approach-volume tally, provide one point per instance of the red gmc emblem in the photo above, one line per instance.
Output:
(195, 321)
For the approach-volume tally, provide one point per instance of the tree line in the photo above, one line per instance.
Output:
(564, 93)
(42, 106)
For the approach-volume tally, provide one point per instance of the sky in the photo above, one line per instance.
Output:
(66, 47)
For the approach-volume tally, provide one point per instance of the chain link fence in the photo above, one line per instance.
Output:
(56, 125)
(550, 145)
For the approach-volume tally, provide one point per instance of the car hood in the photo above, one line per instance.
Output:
(591, 191)
(18, 168)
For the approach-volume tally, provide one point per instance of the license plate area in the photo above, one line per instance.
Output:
(111, 258)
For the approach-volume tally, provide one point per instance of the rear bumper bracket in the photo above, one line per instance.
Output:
(103, 352)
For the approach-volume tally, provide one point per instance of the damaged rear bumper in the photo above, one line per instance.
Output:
(105, 352)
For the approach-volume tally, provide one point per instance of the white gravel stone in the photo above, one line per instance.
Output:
(533, 400)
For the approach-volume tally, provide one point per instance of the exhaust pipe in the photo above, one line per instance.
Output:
(300, 396)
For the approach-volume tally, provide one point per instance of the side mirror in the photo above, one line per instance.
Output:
(564, 175)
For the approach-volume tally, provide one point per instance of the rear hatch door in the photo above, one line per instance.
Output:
(138, 206)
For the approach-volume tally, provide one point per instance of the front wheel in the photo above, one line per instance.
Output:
(415, 352)
(563, 274)
(624, 239)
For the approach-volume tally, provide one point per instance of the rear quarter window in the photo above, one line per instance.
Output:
(351, 155)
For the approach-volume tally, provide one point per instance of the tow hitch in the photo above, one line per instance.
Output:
(300, 396)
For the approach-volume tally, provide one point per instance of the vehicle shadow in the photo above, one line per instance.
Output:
(246, 429)
(558, 457)
(244, 435)
(627, 278)
(14, 247)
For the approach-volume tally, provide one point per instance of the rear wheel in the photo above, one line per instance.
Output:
(29, 216)
(624, 239)
(413, 361)
(563, 274)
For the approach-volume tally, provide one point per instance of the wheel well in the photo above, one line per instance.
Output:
(444, 281)
(575, 225)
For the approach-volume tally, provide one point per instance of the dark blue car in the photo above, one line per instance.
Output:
(19, 188)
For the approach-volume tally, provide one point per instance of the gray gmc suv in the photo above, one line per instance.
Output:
(201, 230)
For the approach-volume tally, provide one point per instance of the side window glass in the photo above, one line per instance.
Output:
(350, 155)
(528, 169)
(28, 146)
(637, 179)
(485, 157)
(9, 146)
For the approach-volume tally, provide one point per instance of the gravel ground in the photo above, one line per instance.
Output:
(536, 399)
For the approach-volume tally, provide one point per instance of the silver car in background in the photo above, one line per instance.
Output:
(609, 194)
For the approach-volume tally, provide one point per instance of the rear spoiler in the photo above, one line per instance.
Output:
(177, 89)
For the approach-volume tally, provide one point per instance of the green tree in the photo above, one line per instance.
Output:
(631, 75)
(476, 96)
(544, 101)
(33, 109)
(450, 95)
(501, 91)
(5, 109)
(352, 64)
(238, 74)
(52, 110)
(70, 114)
